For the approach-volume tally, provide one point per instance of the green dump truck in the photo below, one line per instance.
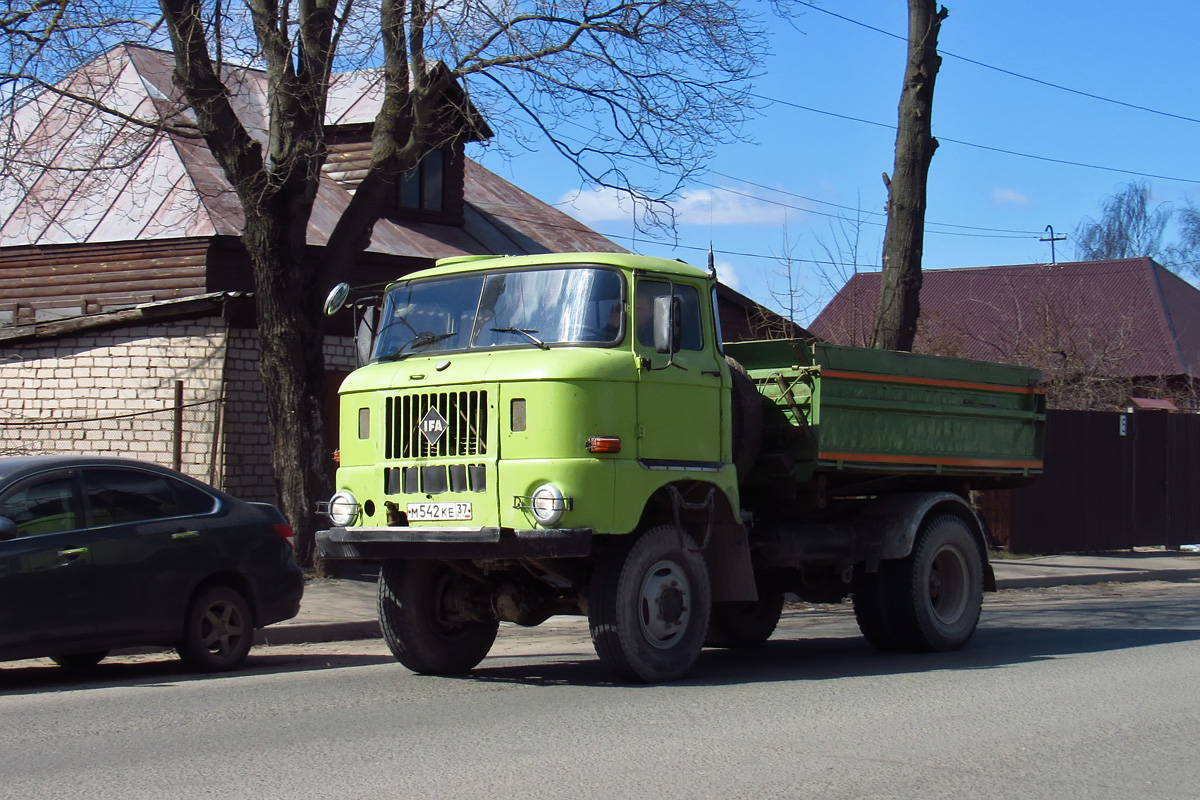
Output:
(567, 434)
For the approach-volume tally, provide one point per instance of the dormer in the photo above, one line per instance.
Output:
(430, 192)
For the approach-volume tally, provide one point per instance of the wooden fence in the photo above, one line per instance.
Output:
(1113, 481)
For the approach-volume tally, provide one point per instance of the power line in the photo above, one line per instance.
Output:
(1008, 72)
(1016, 234)
(859, 210)
(980, 146)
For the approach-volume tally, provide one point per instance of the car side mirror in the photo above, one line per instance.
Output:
(8, 529)
(668, 323)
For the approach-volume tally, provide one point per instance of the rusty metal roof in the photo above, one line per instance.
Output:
(80, 176)
(1129, 318)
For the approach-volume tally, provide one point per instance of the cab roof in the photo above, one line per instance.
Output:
(467, 264)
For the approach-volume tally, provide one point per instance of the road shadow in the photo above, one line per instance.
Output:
(826, 658)
(163, 669)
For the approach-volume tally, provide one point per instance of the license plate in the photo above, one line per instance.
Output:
(438, 511)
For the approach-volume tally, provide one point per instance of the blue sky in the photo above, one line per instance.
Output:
(773, 194)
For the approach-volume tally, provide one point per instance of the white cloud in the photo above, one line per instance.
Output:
(597, 205)
(1010, 197)
(693, 207)
(728, 275)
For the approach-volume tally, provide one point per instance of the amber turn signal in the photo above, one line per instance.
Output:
(604, 444)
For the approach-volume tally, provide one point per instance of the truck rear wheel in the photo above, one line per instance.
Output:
(929, 601)
(744, 624)
(649, 605)
(422, 617)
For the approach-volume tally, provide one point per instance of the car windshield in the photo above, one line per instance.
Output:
(531, 308)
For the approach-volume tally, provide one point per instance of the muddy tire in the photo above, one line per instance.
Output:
(649, 605)
(929, 601)
(872, 613)
(416, 601)
(746, 624)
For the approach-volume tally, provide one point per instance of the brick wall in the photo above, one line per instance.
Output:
(113, 393)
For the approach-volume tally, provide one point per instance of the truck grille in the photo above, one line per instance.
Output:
(466, 425)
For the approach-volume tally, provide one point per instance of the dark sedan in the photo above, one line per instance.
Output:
(102, 553)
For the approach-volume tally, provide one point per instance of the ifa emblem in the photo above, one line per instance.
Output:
(433, 425)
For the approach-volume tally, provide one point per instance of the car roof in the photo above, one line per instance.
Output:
(17, 466)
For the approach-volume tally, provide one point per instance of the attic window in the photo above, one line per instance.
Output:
(422, 188)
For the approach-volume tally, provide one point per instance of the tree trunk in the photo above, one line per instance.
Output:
(903, 242)
(292, 368)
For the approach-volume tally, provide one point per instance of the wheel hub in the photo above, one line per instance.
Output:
(948, 584)
(664, 604)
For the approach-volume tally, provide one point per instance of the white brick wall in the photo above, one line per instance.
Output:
(113, 393)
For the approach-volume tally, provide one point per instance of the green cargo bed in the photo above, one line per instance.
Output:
(877, 411)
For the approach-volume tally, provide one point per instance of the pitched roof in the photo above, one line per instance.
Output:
(1132, 316)
(78, 175)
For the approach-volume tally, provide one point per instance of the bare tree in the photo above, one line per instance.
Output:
(611, 85)
(904, 240)
(1130, 226)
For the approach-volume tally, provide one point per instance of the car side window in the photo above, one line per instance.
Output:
(41, 507)
(118, 496)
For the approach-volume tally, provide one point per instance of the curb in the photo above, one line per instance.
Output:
(1131, 576)
(317, 633)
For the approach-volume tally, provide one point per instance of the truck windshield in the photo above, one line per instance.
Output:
(532, 308)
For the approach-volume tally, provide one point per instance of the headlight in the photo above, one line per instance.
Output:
(547, 504)
(343, 509)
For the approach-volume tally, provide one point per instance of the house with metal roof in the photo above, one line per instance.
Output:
(1102, 332)
(124, 320)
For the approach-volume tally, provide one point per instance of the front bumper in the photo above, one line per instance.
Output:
(475, 543)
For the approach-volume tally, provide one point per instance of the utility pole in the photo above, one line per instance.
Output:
(1052, 239)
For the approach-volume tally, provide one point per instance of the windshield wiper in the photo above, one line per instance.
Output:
(420, 340)
(528, 333)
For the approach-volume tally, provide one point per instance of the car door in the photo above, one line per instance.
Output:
(155, 549)
(49, 592)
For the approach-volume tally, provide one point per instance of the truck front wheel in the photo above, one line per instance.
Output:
(423, 617)
(649, 605)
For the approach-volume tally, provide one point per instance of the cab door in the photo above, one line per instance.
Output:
(679, 395)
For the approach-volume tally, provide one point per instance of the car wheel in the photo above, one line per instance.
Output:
(649, 605)
(79, 661)
(744, 624)
(423, 619)
(218, 630)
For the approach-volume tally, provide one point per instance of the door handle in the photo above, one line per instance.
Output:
(185, 535)
(73, 553)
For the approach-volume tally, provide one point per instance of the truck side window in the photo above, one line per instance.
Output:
(693, 332)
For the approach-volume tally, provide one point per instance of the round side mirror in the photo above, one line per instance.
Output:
(336, 299)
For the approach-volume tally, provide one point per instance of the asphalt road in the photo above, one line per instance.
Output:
(1087, 692)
